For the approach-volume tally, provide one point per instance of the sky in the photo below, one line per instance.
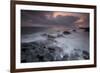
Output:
(54, 19)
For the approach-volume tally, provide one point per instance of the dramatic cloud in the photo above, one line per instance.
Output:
(54, 19)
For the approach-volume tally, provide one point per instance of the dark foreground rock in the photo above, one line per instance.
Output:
(39, 51)
(42, 51)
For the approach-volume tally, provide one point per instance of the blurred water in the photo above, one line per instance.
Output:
(74, 46)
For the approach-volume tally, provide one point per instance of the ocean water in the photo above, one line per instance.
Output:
(42, 46)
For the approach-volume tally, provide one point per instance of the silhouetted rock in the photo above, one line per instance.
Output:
(74, 30)
(86, 29)
(66, 32)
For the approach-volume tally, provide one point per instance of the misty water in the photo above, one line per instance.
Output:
(46, 46)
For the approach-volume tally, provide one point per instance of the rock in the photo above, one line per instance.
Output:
(85, 54)
(86, 29)
(74, 30)
(40, 58)
(75, 54)
(66, 32)
(49, 57)
(65, 57)
(47, 50)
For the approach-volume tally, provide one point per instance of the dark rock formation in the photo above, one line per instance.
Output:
(39, 51)
(86, 29)
(66, 32)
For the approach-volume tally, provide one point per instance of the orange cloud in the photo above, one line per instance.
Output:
(80, 16)
(80, 22)
(55, 14)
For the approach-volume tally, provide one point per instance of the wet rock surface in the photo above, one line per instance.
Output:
(58, 46)
(42, 51)
(38, 51)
